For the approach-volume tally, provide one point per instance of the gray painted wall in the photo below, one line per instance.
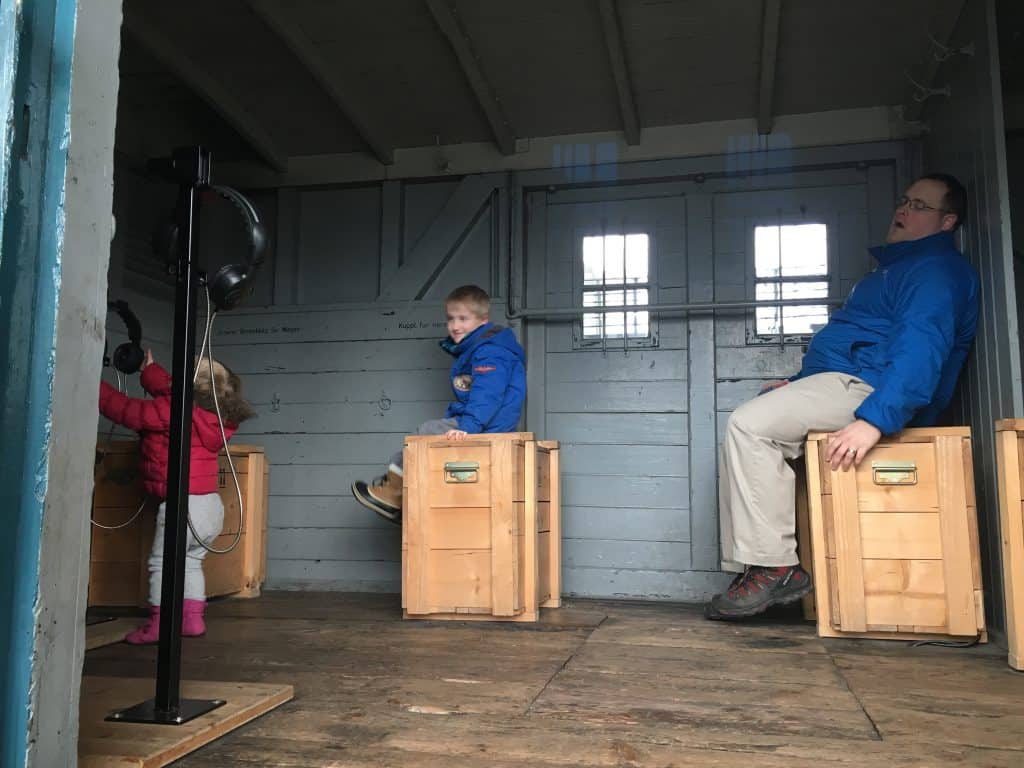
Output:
(639, 426)
(967, 139)
(1015, 179)
(338, 384)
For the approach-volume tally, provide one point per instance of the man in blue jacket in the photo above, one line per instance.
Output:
(489, 383)
(889, 358)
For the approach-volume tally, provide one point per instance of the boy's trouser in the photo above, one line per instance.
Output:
(432, 427)
(756, 487)
(207, 514)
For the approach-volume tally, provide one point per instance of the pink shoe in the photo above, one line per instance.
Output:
(192, 624)
(148, 632)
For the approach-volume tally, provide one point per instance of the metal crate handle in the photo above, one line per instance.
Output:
(461, 471)
(894, 472)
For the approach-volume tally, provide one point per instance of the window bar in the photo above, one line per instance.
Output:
(604, 286)
(781, 311)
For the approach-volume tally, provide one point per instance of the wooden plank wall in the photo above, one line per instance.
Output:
(340, 358)
(967, 139)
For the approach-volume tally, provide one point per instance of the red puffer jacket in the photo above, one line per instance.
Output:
(152, 420)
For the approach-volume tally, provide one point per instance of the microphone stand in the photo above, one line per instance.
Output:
(189, 167)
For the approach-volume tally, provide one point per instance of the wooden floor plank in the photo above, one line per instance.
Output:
(609, 684)
(107, 632)
(102, 744)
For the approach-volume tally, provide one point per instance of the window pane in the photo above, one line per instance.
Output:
(615, 259)
(803, 321)
(593, 260)
(614, 324)
(615, 298)
(636, 258)
(766, 252)
(792, 250)
(804, 250)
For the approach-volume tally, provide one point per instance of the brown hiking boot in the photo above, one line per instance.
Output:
(383, 496)
(755, 590)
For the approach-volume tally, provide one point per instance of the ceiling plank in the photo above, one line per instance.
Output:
(183, 65)
(769, 61)
(617, 58)
(941, 27)
(461, 43)
(281, 21)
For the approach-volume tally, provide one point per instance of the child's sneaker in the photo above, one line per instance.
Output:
(383, 496)
(148, 632)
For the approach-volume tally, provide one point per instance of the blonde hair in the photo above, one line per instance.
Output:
(233, 407)
(474, 297)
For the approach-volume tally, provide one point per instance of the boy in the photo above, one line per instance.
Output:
(488, 379)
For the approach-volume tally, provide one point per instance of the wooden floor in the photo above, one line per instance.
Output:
(595, 684)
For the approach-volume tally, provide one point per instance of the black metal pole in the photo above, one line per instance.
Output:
(190, 167)
(168, 664)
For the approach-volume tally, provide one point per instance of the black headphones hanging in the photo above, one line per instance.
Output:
(127, 357)
(231, 282)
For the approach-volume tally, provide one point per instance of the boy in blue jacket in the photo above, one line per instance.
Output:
(889, 358)
(488, 381)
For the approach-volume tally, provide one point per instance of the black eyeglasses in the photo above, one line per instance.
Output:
(917, 205)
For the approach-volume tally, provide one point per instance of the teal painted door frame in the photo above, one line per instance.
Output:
(36, 47)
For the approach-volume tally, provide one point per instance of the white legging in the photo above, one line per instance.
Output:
(207, 514)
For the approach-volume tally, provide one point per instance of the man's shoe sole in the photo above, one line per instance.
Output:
(361, 492)
(713, 614)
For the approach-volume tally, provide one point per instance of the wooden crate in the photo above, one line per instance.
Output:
(481, 531)
(118, 568)
(895, 543)
(1010, 464)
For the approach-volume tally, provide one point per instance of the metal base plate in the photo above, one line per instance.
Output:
(146, 712)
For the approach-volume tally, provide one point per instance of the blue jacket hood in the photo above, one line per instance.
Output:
(488, 333)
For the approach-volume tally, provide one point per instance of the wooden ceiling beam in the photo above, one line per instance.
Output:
(450, 26)
(772, 11)
(217, 96)
(282, 22)
(620, 70)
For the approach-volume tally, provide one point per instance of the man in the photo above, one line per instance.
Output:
(889, 358)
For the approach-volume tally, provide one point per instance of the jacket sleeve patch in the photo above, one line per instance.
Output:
(484, 368)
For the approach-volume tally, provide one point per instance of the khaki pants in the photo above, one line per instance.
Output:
(756, 487)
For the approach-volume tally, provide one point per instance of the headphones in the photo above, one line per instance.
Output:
(127, 357)
(232, 282)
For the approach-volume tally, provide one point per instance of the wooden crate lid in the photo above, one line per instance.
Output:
(909, 435)
(477, 438)
(241, 449)
(132, 446)
(1010, 425)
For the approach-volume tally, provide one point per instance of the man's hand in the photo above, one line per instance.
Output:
(850, 445)
(455, 434)
(147, 359)
(768, 386)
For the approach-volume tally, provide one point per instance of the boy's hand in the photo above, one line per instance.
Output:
(147, 359)
(455, 434)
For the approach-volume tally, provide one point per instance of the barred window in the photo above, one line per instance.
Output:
(790, 262)
(616, 273)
